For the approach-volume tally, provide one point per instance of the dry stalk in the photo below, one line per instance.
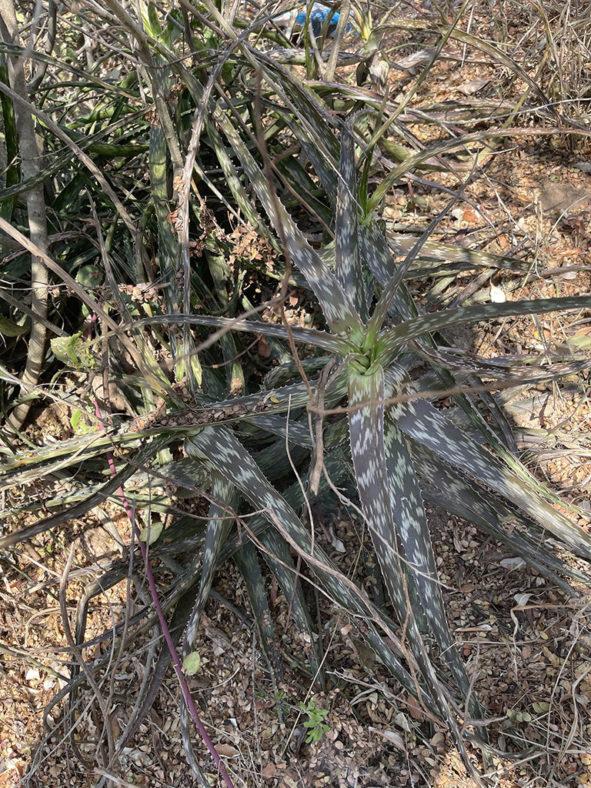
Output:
(36, 214)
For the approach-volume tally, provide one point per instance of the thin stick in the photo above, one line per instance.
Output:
(77, 654)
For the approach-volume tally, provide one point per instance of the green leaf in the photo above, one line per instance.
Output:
(90, 276)
(81, 424)
(579, 341)
(192, 663)
(315, 723)
(74, 351)
(151, 21)
(9, 328)
(151, 533)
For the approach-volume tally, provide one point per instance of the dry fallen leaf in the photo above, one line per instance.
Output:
(513, 563)
(473, 86)
(227, 751)
(269, 771)
(393, 737)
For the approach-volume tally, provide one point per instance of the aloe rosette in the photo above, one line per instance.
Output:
(400, 444)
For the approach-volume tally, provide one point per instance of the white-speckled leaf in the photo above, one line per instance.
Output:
(278, 556)
(413, 328)
(366, 429)
(225, 501)
(308, 336)
(413, 530)
(347, 264)
(247, 561)
(446, 487)
(225, 452)
(429, 427)
(336, 304)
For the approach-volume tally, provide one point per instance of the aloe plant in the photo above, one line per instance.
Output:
(391, 432)
(372, 357)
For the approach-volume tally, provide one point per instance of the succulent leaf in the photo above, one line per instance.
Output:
(429, 427)
(347, 264)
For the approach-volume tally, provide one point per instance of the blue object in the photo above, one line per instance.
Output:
(317, 17)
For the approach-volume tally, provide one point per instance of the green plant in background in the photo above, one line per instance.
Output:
(315, 723)
(237, 146)
(73, 351)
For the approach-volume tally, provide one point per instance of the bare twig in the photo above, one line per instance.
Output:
(78, 656)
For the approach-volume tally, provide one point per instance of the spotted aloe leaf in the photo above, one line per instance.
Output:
(368, 450)
(247, 561)
(186, 360)
(413, 532)
(446, 487)
(393, 506)
(413, 328)
(373, 247)
(395, 338)
(278, 556)
(389, 295)
(260, 408)
(502, 440)
(232, 181)
(366, 429)
(89, 502)
(310, 336)
(221, 518)
(220, 521)
(376, 252)
(225, 452)
(528, 368)
(347, 263)
(306, 110)
(430, 427)
(433, 257)
(336, 303)
(289, 428)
